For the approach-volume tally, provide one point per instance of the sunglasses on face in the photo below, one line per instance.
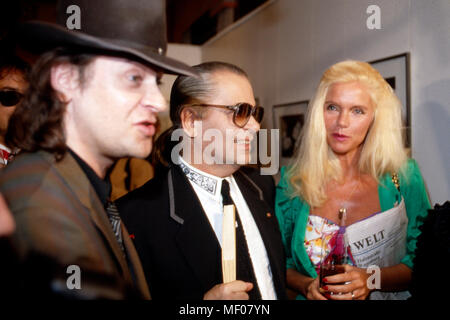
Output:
(242, 112)
(10, 98)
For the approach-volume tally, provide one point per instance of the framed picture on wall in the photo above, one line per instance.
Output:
(289, 118)
(396, 71)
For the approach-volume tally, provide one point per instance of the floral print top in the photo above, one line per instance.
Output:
(319, 230)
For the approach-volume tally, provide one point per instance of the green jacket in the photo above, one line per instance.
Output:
(293, 212)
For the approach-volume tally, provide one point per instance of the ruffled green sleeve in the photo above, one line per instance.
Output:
(412, 188)
(284, 212)
(292, 214)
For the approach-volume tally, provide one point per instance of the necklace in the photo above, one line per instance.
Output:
(343, 210)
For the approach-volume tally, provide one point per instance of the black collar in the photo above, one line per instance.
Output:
(101, 187)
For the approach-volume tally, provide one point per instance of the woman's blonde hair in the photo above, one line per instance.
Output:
(383, 149)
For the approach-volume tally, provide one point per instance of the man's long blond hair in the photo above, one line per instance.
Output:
(383, 148)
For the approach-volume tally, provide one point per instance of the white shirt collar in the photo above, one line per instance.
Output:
(207, 182)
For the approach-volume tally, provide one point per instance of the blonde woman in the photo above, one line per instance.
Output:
(352, 174)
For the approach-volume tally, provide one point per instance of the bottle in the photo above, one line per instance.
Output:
(337, 257)
(333, 263)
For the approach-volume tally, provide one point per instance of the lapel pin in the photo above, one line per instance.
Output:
(268, 215)
(132, 236)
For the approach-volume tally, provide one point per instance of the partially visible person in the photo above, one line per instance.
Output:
(128, 174)
(8, 257)
(13, 84)
(176, 219)
(352, 176)
(7, 224)
(432, 244)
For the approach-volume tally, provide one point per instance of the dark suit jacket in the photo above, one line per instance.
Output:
(175, 241)
(61, 222)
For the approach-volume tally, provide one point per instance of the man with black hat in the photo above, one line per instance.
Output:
(93, 98)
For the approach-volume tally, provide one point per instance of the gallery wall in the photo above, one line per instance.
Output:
(287, 45)
(190, 55)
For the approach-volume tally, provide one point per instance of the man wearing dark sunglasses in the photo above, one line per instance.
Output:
(177, 218)
(13, 84)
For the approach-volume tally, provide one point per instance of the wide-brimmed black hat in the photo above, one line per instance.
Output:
(135, 29)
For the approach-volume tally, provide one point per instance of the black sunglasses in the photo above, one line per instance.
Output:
(242, 112)
(9, 98)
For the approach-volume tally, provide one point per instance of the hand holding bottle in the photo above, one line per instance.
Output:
(351, 284)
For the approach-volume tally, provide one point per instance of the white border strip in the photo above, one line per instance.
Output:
(238, 22)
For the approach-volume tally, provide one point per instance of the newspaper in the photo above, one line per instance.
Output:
(380, 240)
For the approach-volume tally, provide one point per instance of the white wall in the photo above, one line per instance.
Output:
(430, 93)
(190, 55)
(286, 47)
